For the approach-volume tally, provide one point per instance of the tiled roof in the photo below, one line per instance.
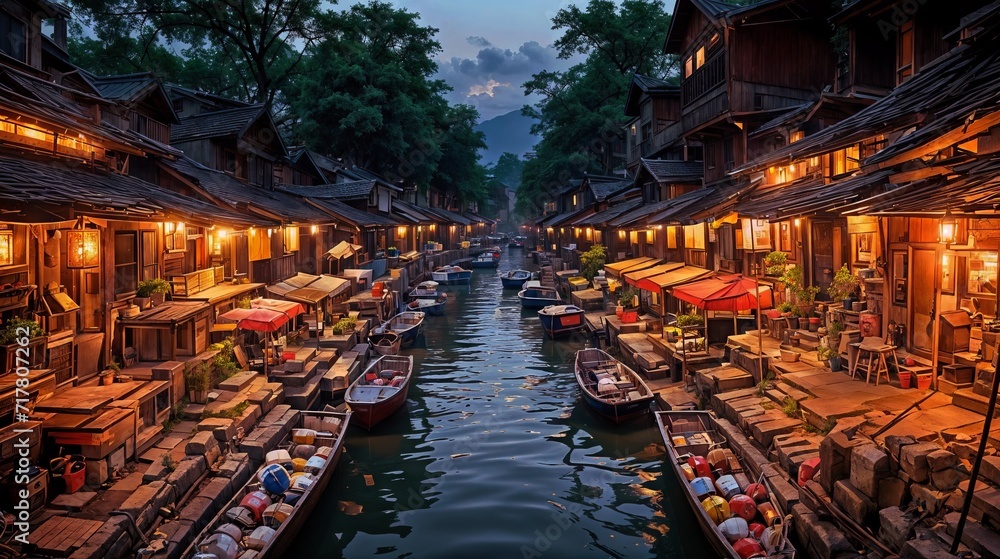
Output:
(410, 212)
(354, 190)
(602, 190)
(216, 124)
(671, 170)
(600, 218)
(449, 216)
(360, 218)
(226, 188)
(56, 189)
(123, 87)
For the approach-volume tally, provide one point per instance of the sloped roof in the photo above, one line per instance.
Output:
(129, 88)
(665, 170)
(217, 124)
(358, 217)
(289, 208)
(602, 190)
(603, 217)
(58, 190)
(649, 85)
(449, 216)
(410, 212)
(677, 209)
(354, 190)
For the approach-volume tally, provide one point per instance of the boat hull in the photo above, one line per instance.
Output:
(539, 298)
(434, 309)
(491, 263)
(614, 409)
(514, 281)
(367, 413)
(561, 324)
(386, 343)
(285, 534)
(451, 278)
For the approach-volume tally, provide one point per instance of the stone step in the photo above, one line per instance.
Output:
(979, 538)
(325, 359)
(966, 398)
(765, 431)
(303, 397)
(309, 370)
(720, 401)
(948, 387)
(238, 382)
(724, 379)
(982, 388)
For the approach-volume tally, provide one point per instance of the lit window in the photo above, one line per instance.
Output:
(688, 67)
(982, 273)
(694, 236)
(796, 136)
(699, 57)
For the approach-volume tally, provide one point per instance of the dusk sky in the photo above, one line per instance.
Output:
(489, 49)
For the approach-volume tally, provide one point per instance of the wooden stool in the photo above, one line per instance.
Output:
(873, 356)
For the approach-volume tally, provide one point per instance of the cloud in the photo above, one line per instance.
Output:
(493, 80)
(487, 89)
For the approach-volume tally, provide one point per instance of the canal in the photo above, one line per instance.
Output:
(495, 453)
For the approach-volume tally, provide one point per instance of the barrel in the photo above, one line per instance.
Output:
(703, 487)
(734, 528)
(274, 479)
(717, 508)
(260, 537)
(743, 507)
(256, 502)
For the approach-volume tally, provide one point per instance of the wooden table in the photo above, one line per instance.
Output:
(60, 536)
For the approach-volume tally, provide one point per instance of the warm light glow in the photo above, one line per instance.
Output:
(420, 228)
(6, 247)
(314, 229)
(621, 234)
(401, 232)
(269, 232)
(798, 222)
(83, 248)
(433, 226)
(222, 233)
(659, 227)
(168, 227)
(589, 231)
(947, 229)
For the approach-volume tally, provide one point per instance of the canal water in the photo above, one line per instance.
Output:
(496, 455)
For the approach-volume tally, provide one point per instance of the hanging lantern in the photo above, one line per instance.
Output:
(947, 229)
(6, 247)
(83, 248)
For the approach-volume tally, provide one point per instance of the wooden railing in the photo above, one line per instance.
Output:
(704, 79)
(282, 268)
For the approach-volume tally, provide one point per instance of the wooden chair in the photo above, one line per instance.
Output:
(247, 363)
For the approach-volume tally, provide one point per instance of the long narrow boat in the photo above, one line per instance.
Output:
(727, 506)
(425, 290)
(535, 296)
(408, 324)
(385, 343)
(451, 274)
(266, 514)
(380, 390)
(610, 387)
(559, 320)
(514, 279)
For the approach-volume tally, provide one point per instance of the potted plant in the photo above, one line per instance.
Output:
(786, 309)
(197, 381)
(628, 297)
(108, 375)
(828, 354)
(774, 263)
(153, 290)
(24, 338)
(843, 286)
(392, 252)
(689, 320)
(592, 261)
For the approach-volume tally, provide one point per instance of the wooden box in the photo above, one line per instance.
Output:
(956, 329)
(959, 374)
(37, 488)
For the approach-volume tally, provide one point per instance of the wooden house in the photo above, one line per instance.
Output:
(654, 130)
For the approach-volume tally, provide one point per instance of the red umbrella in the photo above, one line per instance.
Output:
(725, 293)
(260, 320)
(288, 308)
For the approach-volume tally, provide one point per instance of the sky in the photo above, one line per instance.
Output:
(490, 48)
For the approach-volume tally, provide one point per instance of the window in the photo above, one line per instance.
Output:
(727, 242)
(291, 239)
(982, 273)
(713, 41)
(904, 52)
(688, 67)
(126, 262)
(796, 136)
(574, 201)
(671, 236)
(13, 37)
(150, 262)
(229, 161)
(694, 236)
(178, 105)
(699, 57)
(844, 161)
(729, 153)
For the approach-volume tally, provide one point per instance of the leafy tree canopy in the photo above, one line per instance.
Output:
(581, 114)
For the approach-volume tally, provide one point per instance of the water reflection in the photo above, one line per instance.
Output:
(495, 453)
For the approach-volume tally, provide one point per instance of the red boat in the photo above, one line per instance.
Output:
(380, 390)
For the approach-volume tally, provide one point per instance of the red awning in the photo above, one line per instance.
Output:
(725, 293)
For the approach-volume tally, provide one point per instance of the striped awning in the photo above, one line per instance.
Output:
(657, 284)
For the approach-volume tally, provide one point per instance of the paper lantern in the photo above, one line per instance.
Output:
(83, 248)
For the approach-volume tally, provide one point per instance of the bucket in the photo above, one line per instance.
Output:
(75, 475)
(314, 465)
(304, 436)
(298, 464)
(700, 466)
(904, 379)
(734, 528)
(277, 513)
(807, 470)
(923, 381)
(717, 508)
(768, 513)
(274, 479)
(757, 492)
(703, 487)
(231, 530)
(747, 548)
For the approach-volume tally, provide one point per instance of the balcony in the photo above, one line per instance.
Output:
(704, 79)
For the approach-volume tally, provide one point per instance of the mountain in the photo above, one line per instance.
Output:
(510, 132)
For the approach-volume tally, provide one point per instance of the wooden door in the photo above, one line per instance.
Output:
(923, 264)
(822, 251)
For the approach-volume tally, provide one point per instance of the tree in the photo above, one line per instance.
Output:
(581, 115)
(366, 93)
(507, 170)
(458, 173)
(262, 40)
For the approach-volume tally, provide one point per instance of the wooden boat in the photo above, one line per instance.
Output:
(690, 434)
(485, 260)
(385, 343)
(407, 324)
(558, 320)
(514, 279)
(239, 526)
(534, 296)
(425, 290)
(611, 388)
(517, 242)
(381, 390)
(434, 307)
(451, 274)
(496, 251)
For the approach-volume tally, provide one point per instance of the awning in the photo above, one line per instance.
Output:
(633, 277)
(329, 285)
(308, 295)
(657, 284)
(343, 249)
(615, 269)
